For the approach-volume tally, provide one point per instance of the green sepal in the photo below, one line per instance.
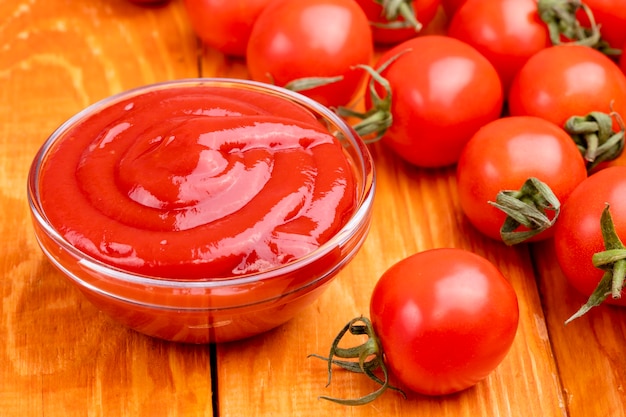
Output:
(377, 120)
(367, 358)
(612, 260)
(595, 138)
(393, 10)
(308, 83)
(526, 207)
(560, 18)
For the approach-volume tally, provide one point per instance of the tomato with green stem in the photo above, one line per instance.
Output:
(426, 306)
(610, 15)
(427, 97)
(422, 309)
(579, 237)
(312, 46)
(513, 176)
(568, 80)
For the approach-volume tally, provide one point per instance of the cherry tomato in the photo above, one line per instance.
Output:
(445, 319)
(443, 91)
(292, 40)
(503, 155)
(567, 80)
(578, 236)
(224, 25)
(506, 32)
(386, 31)
(147, 2)
(611, 16)
(622, 59)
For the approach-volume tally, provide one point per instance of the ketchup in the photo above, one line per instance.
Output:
(203, 182)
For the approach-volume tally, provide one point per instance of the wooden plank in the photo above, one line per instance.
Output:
(589, 350)
(59, 355)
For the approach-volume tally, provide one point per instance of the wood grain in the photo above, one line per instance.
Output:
(60, 356)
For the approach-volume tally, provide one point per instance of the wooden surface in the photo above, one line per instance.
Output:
(59, 356)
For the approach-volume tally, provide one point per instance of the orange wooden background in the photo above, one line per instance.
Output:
(59, 356)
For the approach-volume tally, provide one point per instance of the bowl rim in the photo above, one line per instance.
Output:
(364, 165)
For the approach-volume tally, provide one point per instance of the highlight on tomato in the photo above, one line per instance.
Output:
(568, 80)
(396, 21)
(440, 321)
(312, 46)
(514, 175)
(588, 239)
(224, 25)
(427, 97)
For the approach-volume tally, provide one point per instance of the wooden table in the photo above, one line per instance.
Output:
(59, 356)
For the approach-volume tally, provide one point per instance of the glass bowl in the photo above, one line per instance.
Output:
(207, 309)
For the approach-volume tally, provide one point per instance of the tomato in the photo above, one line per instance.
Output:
(567, 80)
(387, 31)
(611, 16)
(445, 319)
(622, 59)
(293, 40)
(503, 155)
(443, 91)
(506, 32)
(224, 25)
(578, 236)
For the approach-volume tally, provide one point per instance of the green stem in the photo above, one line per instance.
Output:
(613, 261)
(560, 18)
(393, 10)
(619, 273)
(376, 121)
(526, 207)
(367, 358)
(307, 83)
(595, 138)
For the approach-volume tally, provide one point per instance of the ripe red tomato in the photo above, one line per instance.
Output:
(567, 80)
(224, 25)
(445, 319)
(443, 91)
(506, 32)
(578, 236)
(292, 40)
(386, 31)
(611, 16)
(503, 155)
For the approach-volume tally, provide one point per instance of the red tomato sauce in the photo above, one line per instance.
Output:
(207, 183)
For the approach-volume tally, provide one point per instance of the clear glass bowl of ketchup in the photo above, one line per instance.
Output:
(202, 210)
